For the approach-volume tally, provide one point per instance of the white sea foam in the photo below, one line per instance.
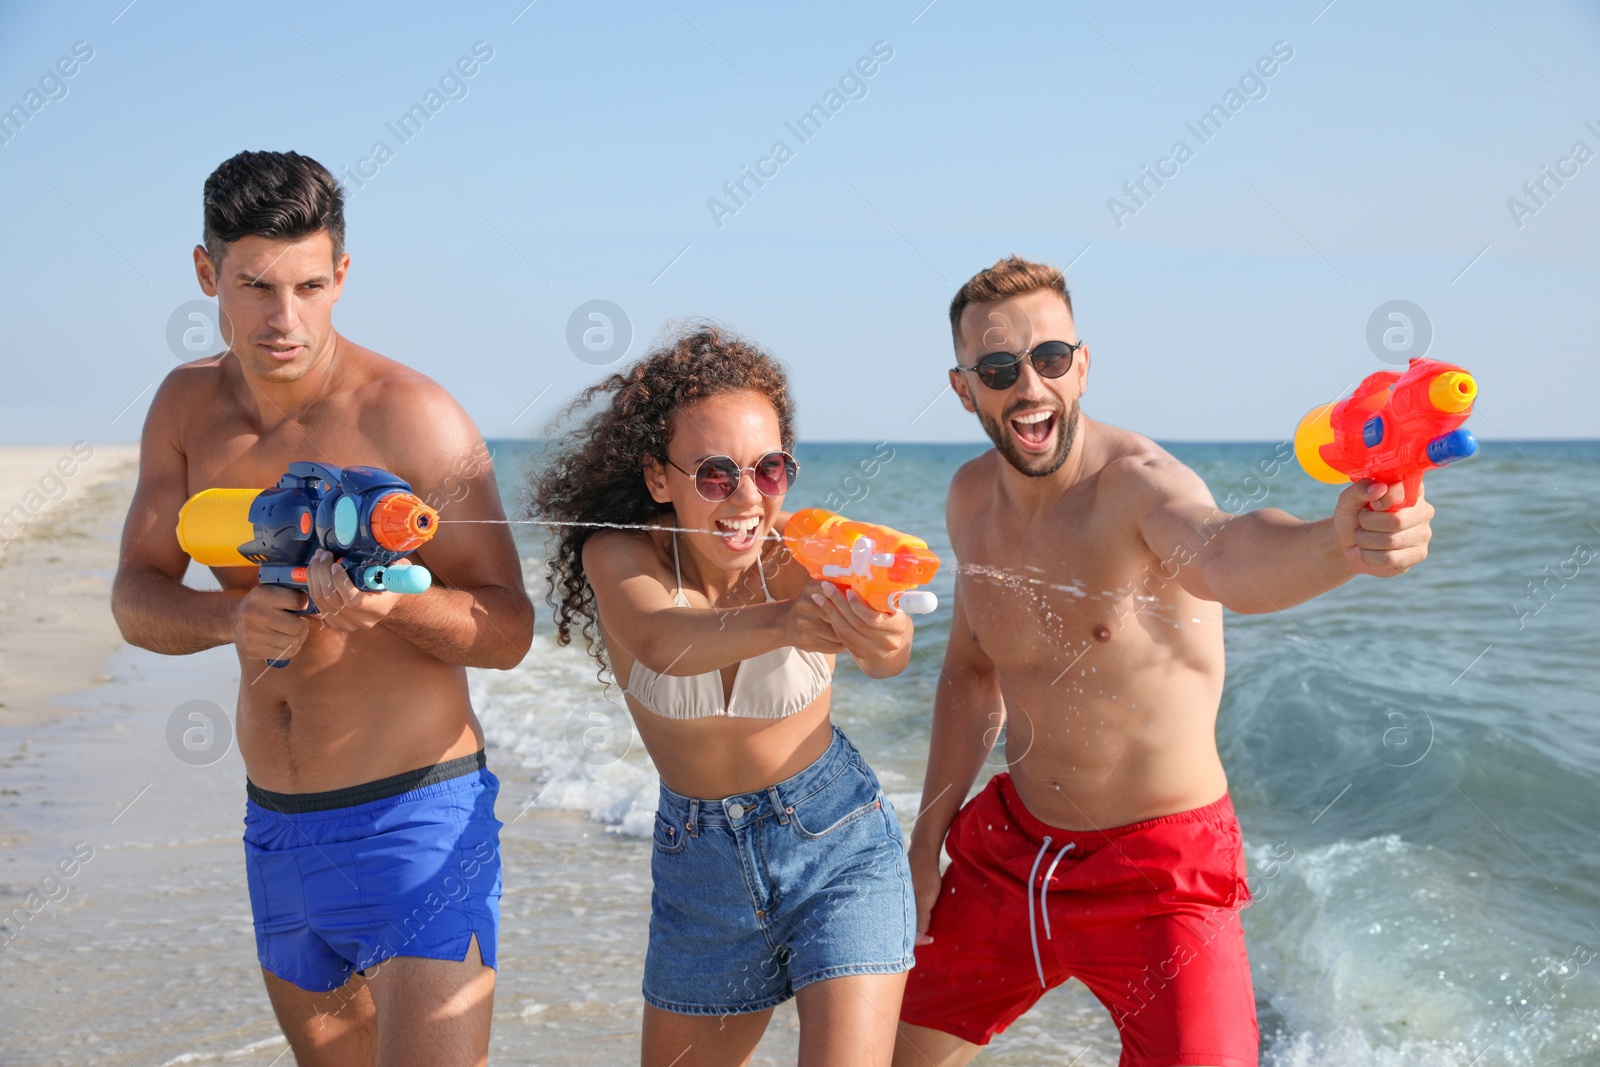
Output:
(1348, 1047)
(572, 733)
(243, 1052)
(1365, 946)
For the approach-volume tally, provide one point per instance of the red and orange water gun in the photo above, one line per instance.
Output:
(1393, 428)
(883, 566)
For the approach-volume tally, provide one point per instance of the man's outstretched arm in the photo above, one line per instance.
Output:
(1267, 560)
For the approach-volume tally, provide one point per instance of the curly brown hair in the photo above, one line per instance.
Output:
(594, 473)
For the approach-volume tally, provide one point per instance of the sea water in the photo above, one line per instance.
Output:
(1415, 761)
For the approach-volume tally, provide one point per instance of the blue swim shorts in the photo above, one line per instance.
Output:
(404, 866)
(759, 894)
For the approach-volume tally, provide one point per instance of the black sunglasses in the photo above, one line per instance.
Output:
(1000, 370)
(717, 477)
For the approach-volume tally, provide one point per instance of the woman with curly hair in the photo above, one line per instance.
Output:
(779, 867)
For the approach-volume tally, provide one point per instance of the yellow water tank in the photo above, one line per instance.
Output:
(214, 523)
(1314, 431)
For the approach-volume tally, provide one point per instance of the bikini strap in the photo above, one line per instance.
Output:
(761, 570)
(677, 571)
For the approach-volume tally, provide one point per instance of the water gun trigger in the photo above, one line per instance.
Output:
(1411, 487)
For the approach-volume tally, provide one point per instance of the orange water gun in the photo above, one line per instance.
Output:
(1394, 427)
(883, 566)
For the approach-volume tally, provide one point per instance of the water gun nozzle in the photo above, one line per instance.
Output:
(1453, 391)
(401, 522)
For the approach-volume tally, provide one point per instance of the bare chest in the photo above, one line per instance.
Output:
(1045, 596)
(225, 452)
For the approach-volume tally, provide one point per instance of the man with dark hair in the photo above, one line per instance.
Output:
(271, 194)
(371, 845)
(1110, 851)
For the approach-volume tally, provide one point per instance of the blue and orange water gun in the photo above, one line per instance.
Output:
(369, 519)
(883, 566)
(1393, 428)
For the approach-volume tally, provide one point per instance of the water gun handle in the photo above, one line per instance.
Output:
(1411, 482)
(297, 582)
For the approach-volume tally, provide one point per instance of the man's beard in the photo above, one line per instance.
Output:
(1034, 466)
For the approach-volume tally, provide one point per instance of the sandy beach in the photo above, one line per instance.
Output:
(61, 508)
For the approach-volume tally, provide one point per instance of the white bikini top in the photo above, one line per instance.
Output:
(772, 685)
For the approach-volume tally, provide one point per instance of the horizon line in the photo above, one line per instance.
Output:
(892, 441)
(1157, 440)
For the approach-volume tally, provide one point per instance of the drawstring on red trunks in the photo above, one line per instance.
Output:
(1044, 888)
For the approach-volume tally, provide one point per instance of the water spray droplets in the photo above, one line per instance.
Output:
(770, 535)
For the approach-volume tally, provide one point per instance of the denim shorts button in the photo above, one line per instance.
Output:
(736, 811)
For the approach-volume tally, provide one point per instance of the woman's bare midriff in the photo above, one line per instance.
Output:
(720, 755)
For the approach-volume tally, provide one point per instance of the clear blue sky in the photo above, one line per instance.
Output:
(579, 162)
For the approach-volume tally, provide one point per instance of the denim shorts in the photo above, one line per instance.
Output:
(759, 894)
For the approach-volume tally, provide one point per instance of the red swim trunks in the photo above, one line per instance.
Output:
(1146, 916)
